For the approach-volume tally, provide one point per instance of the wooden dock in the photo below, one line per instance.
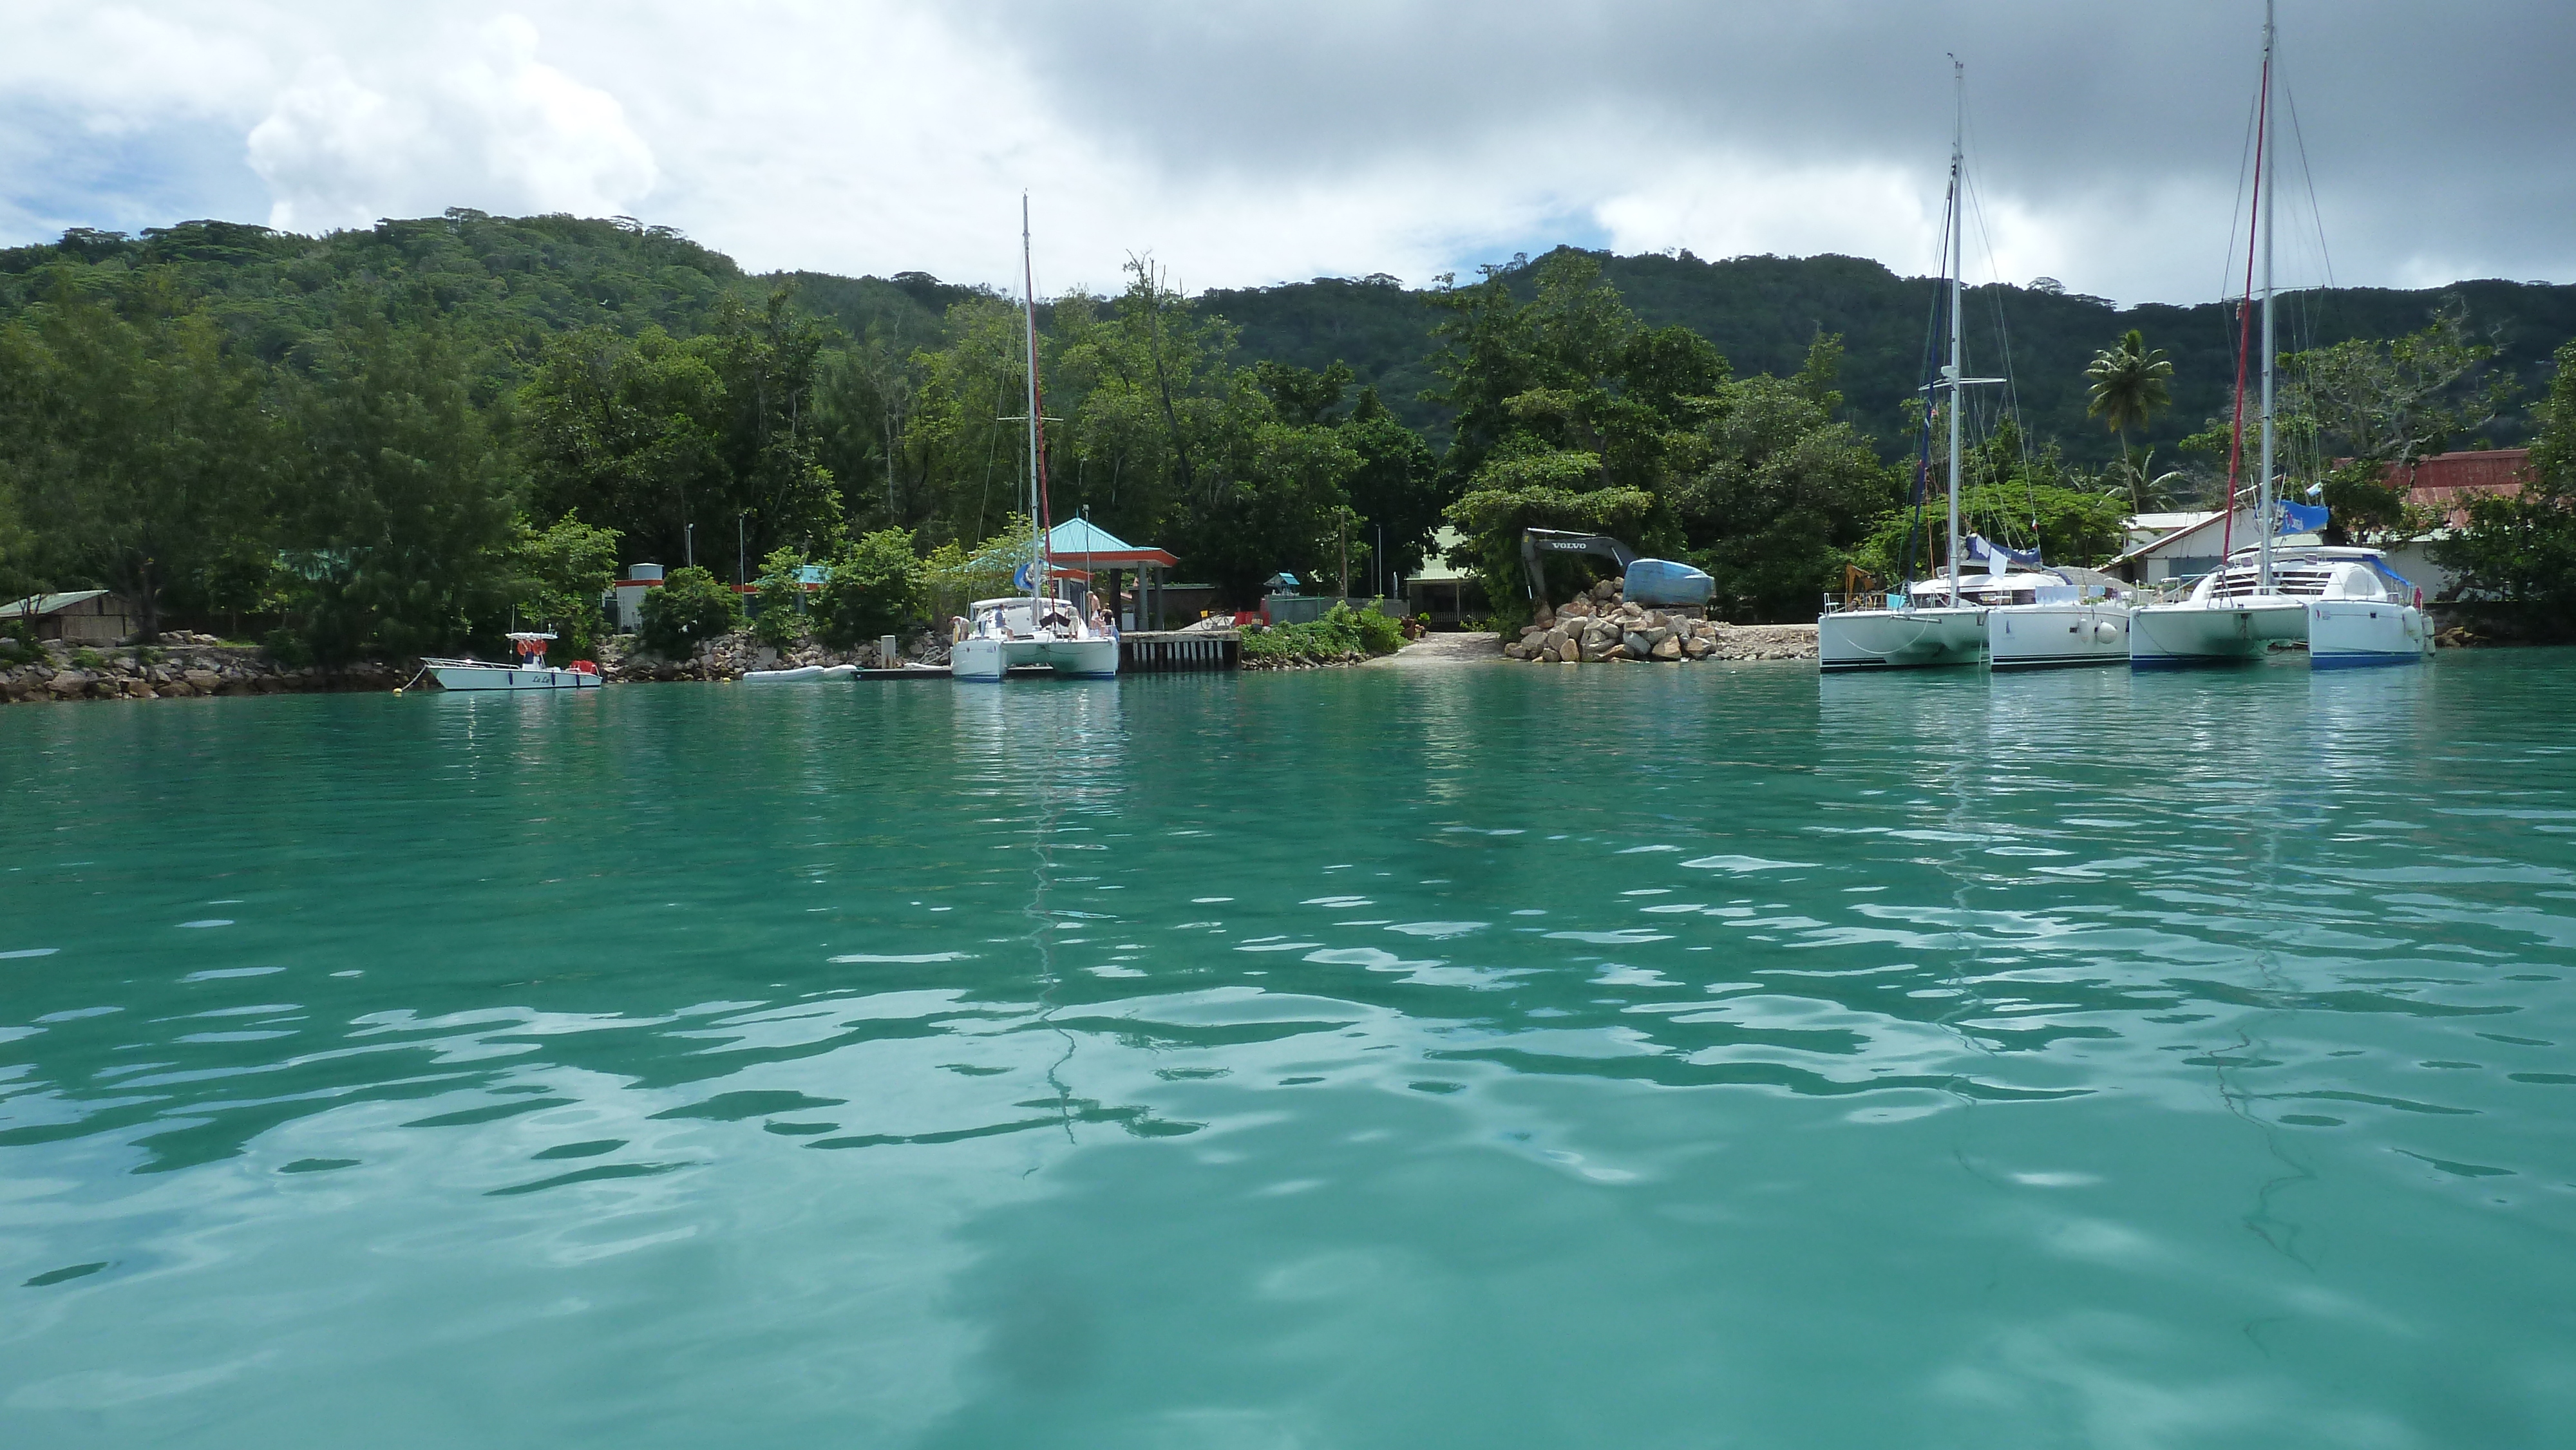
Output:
(1155, 652)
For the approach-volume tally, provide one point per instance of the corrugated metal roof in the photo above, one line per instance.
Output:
(37, 605)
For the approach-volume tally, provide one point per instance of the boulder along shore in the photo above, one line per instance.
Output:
(182, 665)
(189, 665)
(1601, 626)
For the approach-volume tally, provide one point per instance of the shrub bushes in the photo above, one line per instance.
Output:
(1340, 632)
(691, 607)
(873, 589)
(780, 624)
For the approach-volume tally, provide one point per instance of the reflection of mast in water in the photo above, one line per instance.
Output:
(1051, 757)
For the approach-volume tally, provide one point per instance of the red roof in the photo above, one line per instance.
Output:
(2448, 481)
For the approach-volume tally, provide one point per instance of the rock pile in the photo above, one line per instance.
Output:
(1603, 626)
(183, 665)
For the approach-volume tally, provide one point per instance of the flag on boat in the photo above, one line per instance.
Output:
(1020, 579)
(2298, 518)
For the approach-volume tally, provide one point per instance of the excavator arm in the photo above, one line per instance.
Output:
(1535, 542)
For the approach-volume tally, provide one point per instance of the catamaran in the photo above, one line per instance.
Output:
(2345, 604)
(1037, 628)
(1930, 622)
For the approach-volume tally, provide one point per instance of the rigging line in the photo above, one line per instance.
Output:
(2235, 209)
(2316, 213)
(2245, 325)
(2011, 406)
(1931, 352)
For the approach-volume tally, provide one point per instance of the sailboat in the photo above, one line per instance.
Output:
(2345, 604)
(1037, 628)
(1930, 622)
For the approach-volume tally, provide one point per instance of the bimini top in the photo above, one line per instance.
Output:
(1082, 539)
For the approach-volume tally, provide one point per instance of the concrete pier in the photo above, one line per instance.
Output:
(1149, 652)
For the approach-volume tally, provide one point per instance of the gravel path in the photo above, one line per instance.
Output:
(1443, 649)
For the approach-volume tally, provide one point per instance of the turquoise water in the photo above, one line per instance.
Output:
(1385, 1057)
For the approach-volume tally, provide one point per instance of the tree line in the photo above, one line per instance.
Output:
(408, 438)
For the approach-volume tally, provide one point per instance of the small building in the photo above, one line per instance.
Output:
(2449, 482)
(2184, 552)
(1442, 590)
(2140, 530)
(87, 616)
(625, 599)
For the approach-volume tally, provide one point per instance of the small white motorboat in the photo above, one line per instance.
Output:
(800, 674)
(530, 673)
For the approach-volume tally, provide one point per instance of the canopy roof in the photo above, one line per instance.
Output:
(1084, 540)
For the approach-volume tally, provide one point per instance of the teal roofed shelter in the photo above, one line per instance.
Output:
(1082, 544)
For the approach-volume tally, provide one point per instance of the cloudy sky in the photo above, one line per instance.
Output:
(1248, 144)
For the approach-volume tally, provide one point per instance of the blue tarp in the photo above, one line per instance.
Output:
(1661, 581)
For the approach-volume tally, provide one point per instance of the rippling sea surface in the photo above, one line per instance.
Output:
(1389, 1057)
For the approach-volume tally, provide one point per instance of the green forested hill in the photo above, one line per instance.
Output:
(510, 283)
(389, 438)
(513, 282)
(1762, 312)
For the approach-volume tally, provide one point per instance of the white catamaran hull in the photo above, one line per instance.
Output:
(990, 659)
(2197, 633)
(2347, 632)
(2041, 636)
(1900, 639)
(476, 675)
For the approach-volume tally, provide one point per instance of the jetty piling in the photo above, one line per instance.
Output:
(1168, 651)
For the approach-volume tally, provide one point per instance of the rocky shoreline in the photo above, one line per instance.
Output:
(180, 667)
(194, 665)
(1601, 626)
(190, 665)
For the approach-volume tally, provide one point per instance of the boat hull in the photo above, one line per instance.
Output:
(517, 679)
(2168, 635)
(2054, 636)
(2348, 633)
(1899, 639)
(802, 674)
(991, 659)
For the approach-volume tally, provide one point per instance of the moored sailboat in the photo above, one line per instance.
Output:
(1906, 629)
(2345, 604)
(1039, 628)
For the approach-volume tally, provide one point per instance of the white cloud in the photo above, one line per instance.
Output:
(495, 128)
(1245, 146)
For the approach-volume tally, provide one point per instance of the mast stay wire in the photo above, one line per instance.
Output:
(2011, 402)
(2308, 310)
(1931, 345)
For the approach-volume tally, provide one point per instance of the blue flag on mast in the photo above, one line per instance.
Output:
(2298, 518)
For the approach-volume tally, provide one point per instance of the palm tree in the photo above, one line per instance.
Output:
(2130, 476)
(2128, 387)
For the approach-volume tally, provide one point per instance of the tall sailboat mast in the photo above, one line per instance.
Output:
(1957, 380)
(1029, 316)
(2269, 162)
